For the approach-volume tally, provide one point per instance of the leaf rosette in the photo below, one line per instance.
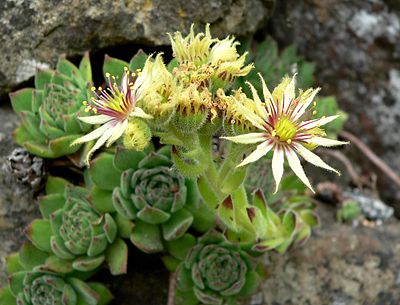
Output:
(34, 282)
(155, 195)
(49, 113)
(76, 231)
(215, 272)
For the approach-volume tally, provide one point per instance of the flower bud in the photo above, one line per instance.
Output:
(137, 135)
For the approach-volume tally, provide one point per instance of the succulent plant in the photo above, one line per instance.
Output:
(154, 195)
(33, 282)
(49, 113)
(76, 232)
(215, 272)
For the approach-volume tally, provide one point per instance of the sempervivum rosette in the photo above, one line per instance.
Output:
(34, 282)
(155, 196)
(49, 113)
(76, 231)
(215, 272)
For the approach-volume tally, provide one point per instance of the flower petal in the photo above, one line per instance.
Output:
(313, 158)
(96, 119)
(138, 112)
(289, 92)
(100, 142)
(259, 152)
(260, 108)
(118, 130)
(277, 166)
(249, 115)
(97, 133)
(295, 165)
(303, 105)
(248, 138)
(317, 122)
(325, 142)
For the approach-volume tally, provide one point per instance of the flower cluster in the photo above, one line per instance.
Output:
(157, 194)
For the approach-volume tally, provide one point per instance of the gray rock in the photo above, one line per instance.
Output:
(339, 265)
(17, 206)
(34, 33)
(356, 48)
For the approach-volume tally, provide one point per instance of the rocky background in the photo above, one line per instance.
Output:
(356, 48)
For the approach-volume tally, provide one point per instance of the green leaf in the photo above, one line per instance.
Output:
(138, 61)
(125, 226)
(13, 264)
(62, 146)
(85, 68)
(233, 180)
(6, 296)
(43, 77)
(206, 192)
(30, 256)
(110, 228)
(58, 265)
(21, 100)
(152, 215)
(117, 257)
(103, 173)
(203, 217)
(147, 237)
(251, 284)
(177, 225)
(56, 185)
(104, 294)
(16, 281)
(180, 247)
(85, 292)
(51, 203)
(102, 200)
(67, 68)
(87, 263)
(115, 67)
(39, 233)
(154, 160)
(170, 262)
(127, 159)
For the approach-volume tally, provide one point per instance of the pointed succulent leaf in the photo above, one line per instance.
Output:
(6, 296)
(13, 264)
(102, 200)
(98, 244)
(30, 256)
(43, 77)
(117, 257)
(58, 265)
(39, 233)
(110, 228)
(114, 66)
(125, 226)
(85, 292)
(16, 281)
(147, 237)
(58, 248)
(177, 225)
(21, 100)
(203, 217)
(127, 159)
(207, 193)
(105, 296)
(62, 145)
(122, 205)
(179, 248)
(88, 263)
(153, 215)
(50, 203)
(154, 160)
(233, 180)
(103, 173)
(85, 68)
(137, 61)
(251, 284)
(170, 262)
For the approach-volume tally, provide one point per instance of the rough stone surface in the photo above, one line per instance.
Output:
(356, 48)
(17, 206)
(34, 33)
(339, 265)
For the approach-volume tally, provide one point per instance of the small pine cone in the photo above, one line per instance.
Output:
(25, 168)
